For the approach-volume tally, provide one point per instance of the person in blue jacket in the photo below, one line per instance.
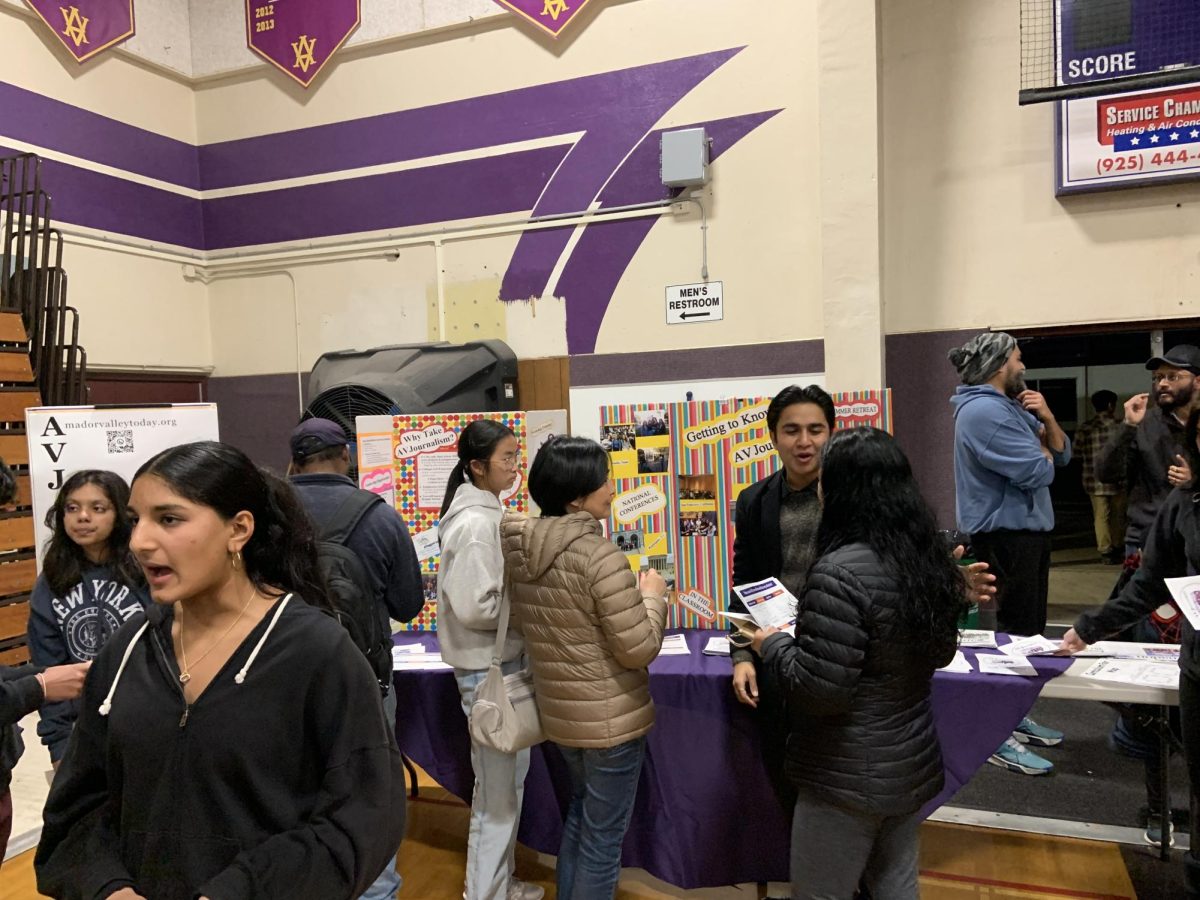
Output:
(1007, 446)
(89, 587)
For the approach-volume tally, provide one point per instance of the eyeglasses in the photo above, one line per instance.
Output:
(1171, 378)
(508, 460)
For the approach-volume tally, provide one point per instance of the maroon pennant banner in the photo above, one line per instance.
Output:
(85, 27)
(552, 16)
(299, 36)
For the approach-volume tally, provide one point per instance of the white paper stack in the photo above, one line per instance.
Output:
(960, 663)
(408, 657)
(986, 639)
(1146, 673)
(674, 645)
(1031, 646)
(1000, 664)
(717, 646)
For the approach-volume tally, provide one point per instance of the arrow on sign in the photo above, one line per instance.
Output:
(695, 315)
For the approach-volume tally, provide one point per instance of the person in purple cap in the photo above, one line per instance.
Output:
(320, 474)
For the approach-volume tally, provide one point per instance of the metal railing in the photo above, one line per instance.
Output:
(34, 283)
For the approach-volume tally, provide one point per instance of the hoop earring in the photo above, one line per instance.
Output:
(235, 560)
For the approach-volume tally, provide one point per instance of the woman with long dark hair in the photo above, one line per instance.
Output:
(879, 613)
(471, 595)
(89, 587)
(1172, 551)
(591, 629)
(231, 739)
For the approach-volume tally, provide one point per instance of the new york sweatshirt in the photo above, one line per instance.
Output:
(71, 629)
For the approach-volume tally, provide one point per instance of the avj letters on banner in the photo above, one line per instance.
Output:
(299, 36)
(552, 16)
(65, 439)
(85, 27)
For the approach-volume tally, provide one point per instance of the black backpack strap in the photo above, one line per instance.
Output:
(343, 522)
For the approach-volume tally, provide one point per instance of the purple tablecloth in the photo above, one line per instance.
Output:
(705, 815)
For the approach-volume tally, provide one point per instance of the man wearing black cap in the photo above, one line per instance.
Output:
(1147, 452)
(320, 474)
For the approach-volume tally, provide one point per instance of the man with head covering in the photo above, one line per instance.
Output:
(1007, 445)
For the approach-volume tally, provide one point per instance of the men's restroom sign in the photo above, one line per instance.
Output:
(299, 36)
(691, 303)
(85, 27)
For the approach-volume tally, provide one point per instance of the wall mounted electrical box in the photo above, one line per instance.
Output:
(684, 158)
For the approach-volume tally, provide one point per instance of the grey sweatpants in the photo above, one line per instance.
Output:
(834, 848)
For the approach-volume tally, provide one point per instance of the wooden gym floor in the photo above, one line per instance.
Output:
(957, 863)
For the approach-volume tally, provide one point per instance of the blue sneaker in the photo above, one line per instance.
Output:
(1016, 757)
(1030, 732)
(1153, 835)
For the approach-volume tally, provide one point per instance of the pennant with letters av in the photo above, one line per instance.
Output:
(85, 27)
(299, 36)
(552, 16)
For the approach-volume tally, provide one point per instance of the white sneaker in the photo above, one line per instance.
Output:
(523, 890)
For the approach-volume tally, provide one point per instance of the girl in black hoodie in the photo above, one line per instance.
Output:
(231, 740)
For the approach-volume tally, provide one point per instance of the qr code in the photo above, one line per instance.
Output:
(120, 441)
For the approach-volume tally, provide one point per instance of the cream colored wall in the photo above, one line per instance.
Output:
(763, 202)
(134, 311)
(973, 235)
(111, 84)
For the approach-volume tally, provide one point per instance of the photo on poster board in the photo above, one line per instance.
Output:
(67, 439)
(686, 510)
(408, 460)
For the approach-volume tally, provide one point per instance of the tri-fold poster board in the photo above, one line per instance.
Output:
(678, 469)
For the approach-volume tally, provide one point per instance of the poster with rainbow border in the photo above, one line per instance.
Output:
(678, 469)
(407, 459)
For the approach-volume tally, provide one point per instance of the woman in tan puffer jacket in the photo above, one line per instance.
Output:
(590, 632)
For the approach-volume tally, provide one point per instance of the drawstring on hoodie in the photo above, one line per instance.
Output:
(106, 706)
(241, 676)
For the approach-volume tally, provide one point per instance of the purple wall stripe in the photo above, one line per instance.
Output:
(55, 125)
(464, 190)
(605, 249)
(629, 107)
(577, 104)
(83, 197)
(740, 361)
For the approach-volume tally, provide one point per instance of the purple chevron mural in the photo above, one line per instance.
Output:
(584, 141)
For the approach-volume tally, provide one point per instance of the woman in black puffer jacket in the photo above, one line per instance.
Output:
(878, 615)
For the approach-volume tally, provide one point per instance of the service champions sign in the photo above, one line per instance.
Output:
(65, 439)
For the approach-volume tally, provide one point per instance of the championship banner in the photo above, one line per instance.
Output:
(552, 16)
(299, 36)
(85, 27)
(65, 439)
(1130, 139)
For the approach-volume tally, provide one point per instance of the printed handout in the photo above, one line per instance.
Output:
(1146, 673)
(986, 639)
(674, 645)
(1037, 645)
(1000, 664)
(769, 603)
(960, 663)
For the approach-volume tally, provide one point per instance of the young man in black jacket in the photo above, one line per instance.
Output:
(776, 528)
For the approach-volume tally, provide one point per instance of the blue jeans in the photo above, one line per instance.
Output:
(603, 786)
(495, 802)
(388, 883)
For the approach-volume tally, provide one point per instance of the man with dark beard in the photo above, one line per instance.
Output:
(1007, 445)
(1150, 445)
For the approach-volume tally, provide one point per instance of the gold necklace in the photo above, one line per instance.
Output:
(185, 674)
